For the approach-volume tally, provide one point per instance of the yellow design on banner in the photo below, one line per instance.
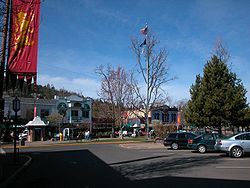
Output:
(23, 30)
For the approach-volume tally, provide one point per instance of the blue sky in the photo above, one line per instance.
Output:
(76, 36)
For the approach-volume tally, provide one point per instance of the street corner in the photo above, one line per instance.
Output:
(9, 169)
(149, 145)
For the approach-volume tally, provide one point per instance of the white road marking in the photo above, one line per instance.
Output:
(2, 151)
(232, 167)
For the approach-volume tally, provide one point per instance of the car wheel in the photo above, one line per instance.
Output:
(174, 146)
(236, 152)
(202, 149)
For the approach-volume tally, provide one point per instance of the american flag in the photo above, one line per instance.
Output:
(144, 30)
(144, 43)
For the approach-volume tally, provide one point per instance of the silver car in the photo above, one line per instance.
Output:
(235, 145)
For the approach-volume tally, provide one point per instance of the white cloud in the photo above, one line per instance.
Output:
(178, 92)
(88, 87)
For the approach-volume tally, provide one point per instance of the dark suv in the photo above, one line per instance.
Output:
(178, 140)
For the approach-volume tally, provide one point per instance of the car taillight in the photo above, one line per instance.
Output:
(190, 141)
(219, 142)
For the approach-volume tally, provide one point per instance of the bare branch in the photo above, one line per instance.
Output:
(154, 71)
(115, 89)
(221, 51)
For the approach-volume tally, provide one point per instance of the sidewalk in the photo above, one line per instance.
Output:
(66, 142)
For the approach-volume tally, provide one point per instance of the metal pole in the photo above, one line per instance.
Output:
(15, 138)
(3, 56)
(148, 99)
(16, 108)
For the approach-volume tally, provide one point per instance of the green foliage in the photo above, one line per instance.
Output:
(43, 92)
(54, 119)
(104, 134)
(218, 98)
(49, 91)
(247, 118)
(247, 114)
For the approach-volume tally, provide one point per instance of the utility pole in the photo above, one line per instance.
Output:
(2, 60)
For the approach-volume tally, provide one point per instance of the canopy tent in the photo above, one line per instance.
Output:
(129, 126)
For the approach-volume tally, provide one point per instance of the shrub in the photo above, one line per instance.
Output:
(162, 129)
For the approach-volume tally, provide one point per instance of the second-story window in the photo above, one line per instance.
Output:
(74, 114)
(174, 118)
(44, 113)
(85, 114)
(85, 111)
(156, 115)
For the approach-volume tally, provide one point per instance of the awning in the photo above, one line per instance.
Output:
(36, 122)
(136, 126)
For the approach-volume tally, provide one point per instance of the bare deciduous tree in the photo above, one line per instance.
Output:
(221, 51)
(115, 89)
(154, 71)
(55, 119)
(182, 107)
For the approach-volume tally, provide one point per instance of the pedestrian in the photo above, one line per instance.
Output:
(79, 136)
(87, 135)
(60, 136)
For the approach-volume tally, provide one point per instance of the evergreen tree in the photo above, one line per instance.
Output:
(218, 98)
(194, 110)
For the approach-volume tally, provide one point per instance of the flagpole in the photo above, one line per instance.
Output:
(144, 31)
(3, 57)
(147, 127)
(8, 52)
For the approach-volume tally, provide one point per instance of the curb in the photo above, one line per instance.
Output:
(142, 146)
(13, 176)
(71, 144)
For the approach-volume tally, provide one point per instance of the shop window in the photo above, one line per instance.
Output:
(44, 113)
(85, 114)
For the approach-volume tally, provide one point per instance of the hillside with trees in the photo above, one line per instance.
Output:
(43, 92)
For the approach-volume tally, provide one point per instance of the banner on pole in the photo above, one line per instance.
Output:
(22, 59)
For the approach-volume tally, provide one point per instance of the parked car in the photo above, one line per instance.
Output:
(204, 142)
(56, 136)
(235, 145)
(24, 135)
(178, 140)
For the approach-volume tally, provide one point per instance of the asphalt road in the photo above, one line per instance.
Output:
(111, 165)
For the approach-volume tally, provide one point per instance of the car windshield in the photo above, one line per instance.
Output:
(229, 136)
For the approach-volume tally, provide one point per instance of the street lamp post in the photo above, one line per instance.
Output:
(16, 108)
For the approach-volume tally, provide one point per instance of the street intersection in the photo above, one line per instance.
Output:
(134, 164)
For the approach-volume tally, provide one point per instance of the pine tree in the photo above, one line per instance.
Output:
(218, 98)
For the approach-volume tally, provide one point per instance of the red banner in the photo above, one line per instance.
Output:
(23, 54)
(179, 118)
